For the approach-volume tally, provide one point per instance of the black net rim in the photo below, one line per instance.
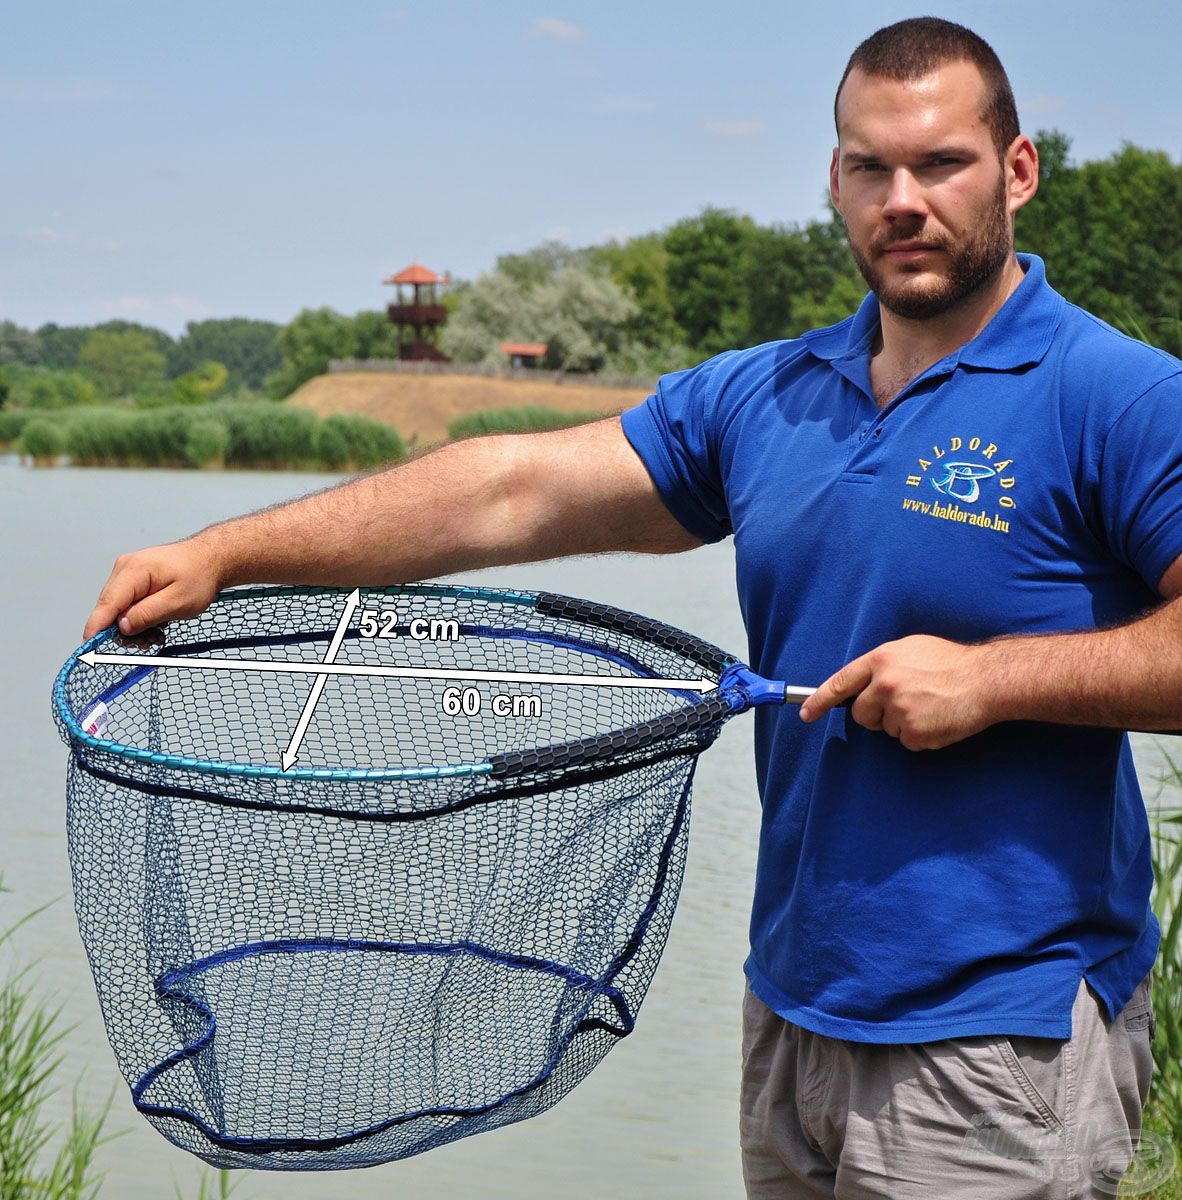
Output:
(637, 743)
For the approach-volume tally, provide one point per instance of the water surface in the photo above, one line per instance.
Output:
(656, 1121)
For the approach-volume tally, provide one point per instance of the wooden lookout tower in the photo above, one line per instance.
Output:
(420, 313)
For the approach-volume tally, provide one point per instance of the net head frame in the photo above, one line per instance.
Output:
(432, 924)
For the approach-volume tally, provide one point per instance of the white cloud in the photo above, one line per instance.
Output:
(557, 31)
(125, 306)
(188, 308)
(1041, 104)
(742, 127)
(55, 235)
(53, 91)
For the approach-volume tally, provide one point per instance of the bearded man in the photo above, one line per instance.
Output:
(960, 505)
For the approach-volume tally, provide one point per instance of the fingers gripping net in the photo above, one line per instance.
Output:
(431, 924)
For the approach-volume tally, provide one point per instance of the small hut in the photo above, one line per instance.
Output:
(524, 354)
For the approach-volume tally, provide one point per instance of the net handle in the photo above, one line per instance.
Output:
(751, 689)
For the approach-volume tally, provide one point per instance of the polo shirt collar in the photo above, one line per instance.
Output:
(1019, 333)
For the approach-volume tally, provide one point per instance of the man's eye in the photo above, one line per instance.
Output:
(868, 167)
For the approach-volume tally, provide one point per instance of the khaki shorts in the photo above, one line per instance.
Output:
(961, 1119)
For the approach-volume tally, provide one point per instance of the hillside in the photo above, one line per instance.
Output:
(420, 406)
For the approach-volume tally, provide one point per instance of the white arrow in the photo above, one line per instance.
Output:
(297, 735)
(151, 661)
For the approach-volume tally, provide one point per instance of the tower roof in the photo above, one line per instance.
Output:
(416, 273)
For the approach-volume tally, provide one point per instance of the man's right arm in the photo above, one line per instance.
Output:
(485, 502)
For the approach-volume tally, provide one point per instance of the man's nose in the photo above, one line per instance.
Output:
(904, 196)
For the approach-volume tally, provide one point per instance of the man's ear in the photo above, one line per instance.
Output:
(1021, 172)
(834, 178)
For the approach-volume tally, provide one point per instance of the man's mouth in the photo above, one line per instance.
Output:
(910, 249)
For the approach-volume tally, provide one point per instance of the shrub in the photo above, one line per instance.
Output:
(11, 424)
(206, 442)
(101, 437)
(268, 435)
(258, 434)
(366, 443)
(159, 394)
(527, 419)
(42, 440)
(332, 447)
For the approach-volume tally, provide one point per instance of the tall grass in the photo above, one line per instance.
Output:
(217, 1186)
(234, 435)
(1163, 1111)
(31, 1060)
(1166, 1096)
(526, 419)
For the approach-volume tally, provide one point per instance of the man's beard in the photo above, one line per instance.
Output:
(971, 265)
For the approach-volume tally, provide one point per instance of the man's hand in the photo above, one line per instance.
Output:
(155, 585)
(925, 691)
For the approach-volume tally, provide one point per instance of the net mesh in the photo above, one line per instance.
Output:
(431, 925)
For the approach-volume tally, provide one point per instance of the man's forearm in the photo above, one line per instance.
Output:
(448, 511)
(479, 503)
(1129, 677)
(930, 692)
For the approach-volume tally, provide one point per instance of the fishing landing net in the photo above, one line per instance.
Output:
(337, 918)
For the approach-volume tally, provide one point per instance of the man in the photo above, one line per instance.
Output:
(968, 494)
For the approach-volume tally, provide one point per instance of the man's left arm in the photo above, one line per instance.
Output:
(929, 692)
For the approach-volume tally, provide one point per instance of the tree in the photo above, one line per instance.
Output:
(541, 264)
(60, 345)
(581, 314)
(249, 350)
(494, 309)
(373, 336)
(308, 343)
(641, 267)
(18, 345)
(200, 385)
(120, 361)
(1110, 235)
(707, 256)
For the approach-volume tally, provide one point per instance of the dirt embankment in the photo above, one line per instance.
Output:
(420, 406)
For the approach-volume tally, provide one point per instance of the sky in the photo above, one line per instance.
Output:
(167, 162)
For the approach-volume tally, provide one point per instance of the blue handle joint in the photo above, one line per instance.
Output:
(741, 688)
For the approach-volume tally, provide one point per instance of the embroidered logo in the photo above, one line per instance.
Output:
(984, 481)
(960, 480)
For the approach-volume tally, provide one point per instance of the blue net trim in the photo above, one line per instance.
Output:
(171, 987)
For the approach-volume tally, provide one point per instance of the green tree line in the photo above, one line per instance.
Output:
(1108, 230)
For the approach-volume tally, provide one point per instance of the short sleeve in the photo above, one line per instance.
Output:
(1140, 481)
(672, 432)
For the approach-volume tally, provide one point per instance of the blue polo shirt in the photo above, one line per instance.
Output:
(1030, 482)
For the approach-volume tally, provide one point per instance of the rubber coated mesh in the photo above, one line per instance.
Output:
(338, 965)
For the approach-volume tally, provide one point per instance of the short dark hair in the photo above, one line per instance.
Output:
(916, 47)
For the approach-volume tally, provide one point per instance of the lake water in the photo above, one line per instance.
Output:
(656, 1121)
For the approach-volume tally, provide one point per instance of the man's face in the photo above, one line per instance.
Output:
(917, 164)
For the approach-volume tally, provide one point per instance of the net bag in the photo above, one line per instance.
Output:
(340, 918)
